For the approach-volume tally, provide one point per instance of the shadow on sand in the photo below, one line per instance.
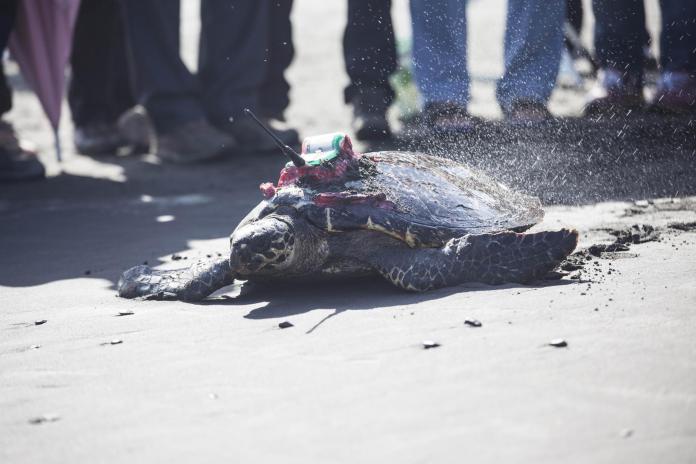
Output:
(286, 300)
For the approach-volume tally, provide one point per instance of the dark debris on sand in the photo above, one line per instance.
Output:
(429, 344)
(44, 419)
(683, 226)
(637, 233)
(623, 239)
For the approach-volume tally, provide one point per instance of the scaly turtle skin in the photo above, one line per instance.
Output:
(418, 221)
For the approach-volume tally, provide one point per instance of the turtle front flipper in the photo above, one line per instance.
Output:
(189, 284)
(487, 258)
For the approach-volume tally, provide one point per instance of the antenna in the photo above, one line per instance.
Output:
(292, 155)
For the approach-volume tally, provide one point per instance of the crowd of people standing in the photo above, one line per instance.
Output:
(129, 86)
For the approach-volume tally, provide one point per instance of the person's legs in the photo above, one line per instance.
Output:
(8, 12)
(439, 50)
(619, 39)
(165, 86)
(369, 54)
(439, 63)
(574, 14)
(369, 50)
(17, 163)
(678, 36)
(5, 90)
(273, 94)
(232, 68)
(676, 90)
(533, 45)
(99, 90)
(619, 34)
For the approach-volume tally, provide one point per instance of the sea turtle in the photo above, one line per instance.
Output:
(421, 222)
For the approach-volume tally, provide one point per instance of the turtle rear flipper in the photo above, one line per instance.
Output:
(189, 284)
(486, 258)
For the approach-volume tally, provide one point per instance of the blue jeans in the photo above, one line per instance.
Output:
(533, 44)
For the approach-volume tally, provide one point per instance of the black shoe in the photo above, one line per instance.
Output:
(527, 112)
(98, 139)
(446, 118)
(136, 128)
(675, 94)
(17, 163)
(251, 137)
(370, 115)
(615, 91)
(192, 142)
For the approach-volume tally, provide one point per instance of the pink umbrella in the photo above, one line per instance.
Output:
(41, 42)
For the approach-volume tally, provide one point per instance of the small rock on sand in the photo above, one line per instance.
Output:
(116, 341)
(40, 322)
(125, 313)
(43, 419)
(473, 323)
(558, 343)
(428, 344)
(285, 325)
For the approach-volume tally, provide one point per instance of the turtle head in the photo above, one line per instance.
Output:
(276, 244)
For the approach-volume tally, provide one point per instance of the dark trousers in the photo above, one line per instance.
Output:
(369, 50)
(231, 66)
(620, 35)
(100, 88)
(8, 12)
(274, 92)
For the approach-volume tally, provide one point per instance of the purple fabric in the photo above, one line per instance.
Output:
(41, 43)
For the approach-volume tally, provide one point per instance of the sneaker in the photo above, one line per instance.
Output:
(253, 138)
(448, 118)
(98, 139)
(370, 115)
(676, 93)
(136, 128)
(527, 112)
(192, 142)
(614, 90)
(17, 161)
